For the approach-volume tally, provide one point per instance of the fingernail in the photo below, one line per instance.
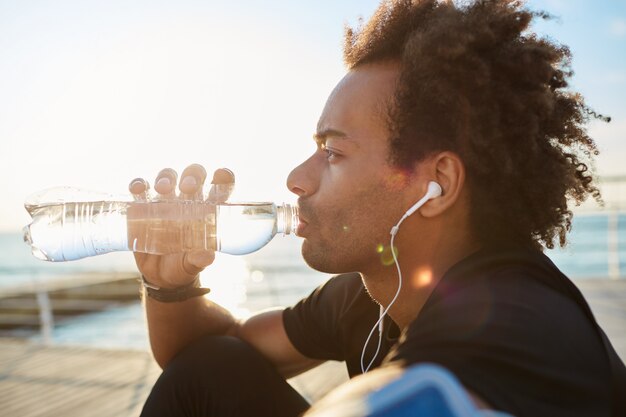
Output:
(189, 181)
(164, 182)
(136, 183)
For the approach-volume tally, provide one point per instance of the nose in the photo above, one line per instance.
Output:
(304, 179)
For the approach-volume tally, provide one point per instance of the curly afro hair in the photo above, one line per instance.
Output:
(475, 81)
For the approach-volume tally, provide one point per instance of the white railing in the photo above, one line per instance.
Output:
(613, 189)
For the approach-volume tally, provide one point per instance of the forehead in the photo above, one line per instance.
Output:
(359, 103)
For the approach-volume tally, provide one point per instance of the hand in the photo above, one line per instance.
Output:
(175, 270)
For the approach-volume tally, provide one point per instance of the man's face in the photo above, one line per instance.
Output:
(349, 195)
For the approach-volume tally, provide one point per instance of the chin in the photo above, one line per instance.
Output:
(325, 259)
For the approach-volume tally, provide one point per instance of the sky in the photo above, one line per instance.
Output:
(94, 94)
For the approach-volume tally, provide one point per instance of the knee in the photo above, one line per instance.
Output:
(214, 358)
(219, 375)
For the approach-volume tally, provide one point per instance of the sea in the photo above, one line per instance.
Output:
(272, 277)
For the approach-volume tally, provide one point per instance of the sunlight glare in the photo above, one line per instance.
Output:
(227, 278)
(257, 276)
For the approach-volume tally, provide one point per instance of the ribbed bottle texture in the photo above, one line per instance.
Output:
(64, 230)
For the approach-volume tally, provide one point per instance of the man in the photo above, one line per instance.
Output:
(461, 96)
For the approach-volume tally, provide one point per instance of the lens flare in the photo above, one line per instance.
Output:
(423, 277)
(386, 256)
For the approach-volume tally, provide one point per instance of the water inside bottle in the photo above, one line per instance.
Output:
(245, 228)
(172, 227)
(163, 227)
(69, 231)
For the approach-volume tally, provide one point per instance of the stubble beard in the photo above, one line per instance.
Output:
(349, 240)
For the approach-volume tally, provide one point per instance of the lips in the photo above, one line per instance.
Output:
(302, 224)
(302, 219)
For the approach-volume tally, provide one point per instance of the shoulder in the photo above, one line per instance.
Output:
(522, 292)
(333, 297)
(315, 324)
(505, 324)
(506, 280)
(344, 288)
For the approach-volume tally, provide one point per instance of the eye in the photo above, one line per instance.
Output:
(330, 153)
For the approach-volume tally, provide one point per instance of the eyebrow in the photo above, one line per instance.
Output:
(320, 137)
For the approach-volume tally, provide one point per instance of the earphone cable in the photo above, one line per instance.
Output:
(434, 190)
(383, 313)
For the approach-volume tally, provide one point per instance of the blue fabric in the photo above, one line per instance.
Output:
(424, 390)
(428, 401)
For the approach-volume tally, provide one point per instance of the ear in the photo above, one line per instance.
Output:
(448, 170)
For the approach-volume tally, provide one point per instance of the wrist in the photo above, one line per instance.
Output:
(165, 284)
(176, 294)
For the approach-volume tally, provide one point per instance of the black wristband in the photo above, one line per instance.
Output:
(172, 295)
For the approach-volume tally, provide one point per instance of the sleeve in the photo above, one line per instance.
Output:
(520, 346)
(313, 324)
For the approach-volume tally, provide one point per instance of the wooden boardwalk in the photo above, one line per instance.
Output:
(38, 380)
(43, 381)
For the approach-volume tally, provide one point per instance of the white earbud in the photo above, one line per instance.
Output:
(434, 190)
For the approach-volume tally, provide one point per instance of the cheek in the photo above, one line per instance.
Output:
(396, 180)
(365, 216)
(359, 198)
(352, 229)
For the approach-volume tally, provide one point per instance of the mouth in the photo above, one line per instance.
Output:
(302, 219)
(302, 224)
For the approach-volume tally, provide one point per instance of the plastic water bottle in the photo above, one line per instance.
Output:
(94, 224)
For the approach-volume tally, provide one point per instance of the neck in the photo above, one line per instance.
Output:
(422, 267)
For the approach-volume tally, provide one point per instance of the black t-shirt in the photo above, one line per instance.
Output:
(334, 321)
(506, 322)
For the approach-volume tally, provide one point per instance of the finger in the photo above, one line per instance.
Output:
(165, 184)
(192, 180)
(222, 185)
(223, 176)
(195, 261)
(139, 189)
